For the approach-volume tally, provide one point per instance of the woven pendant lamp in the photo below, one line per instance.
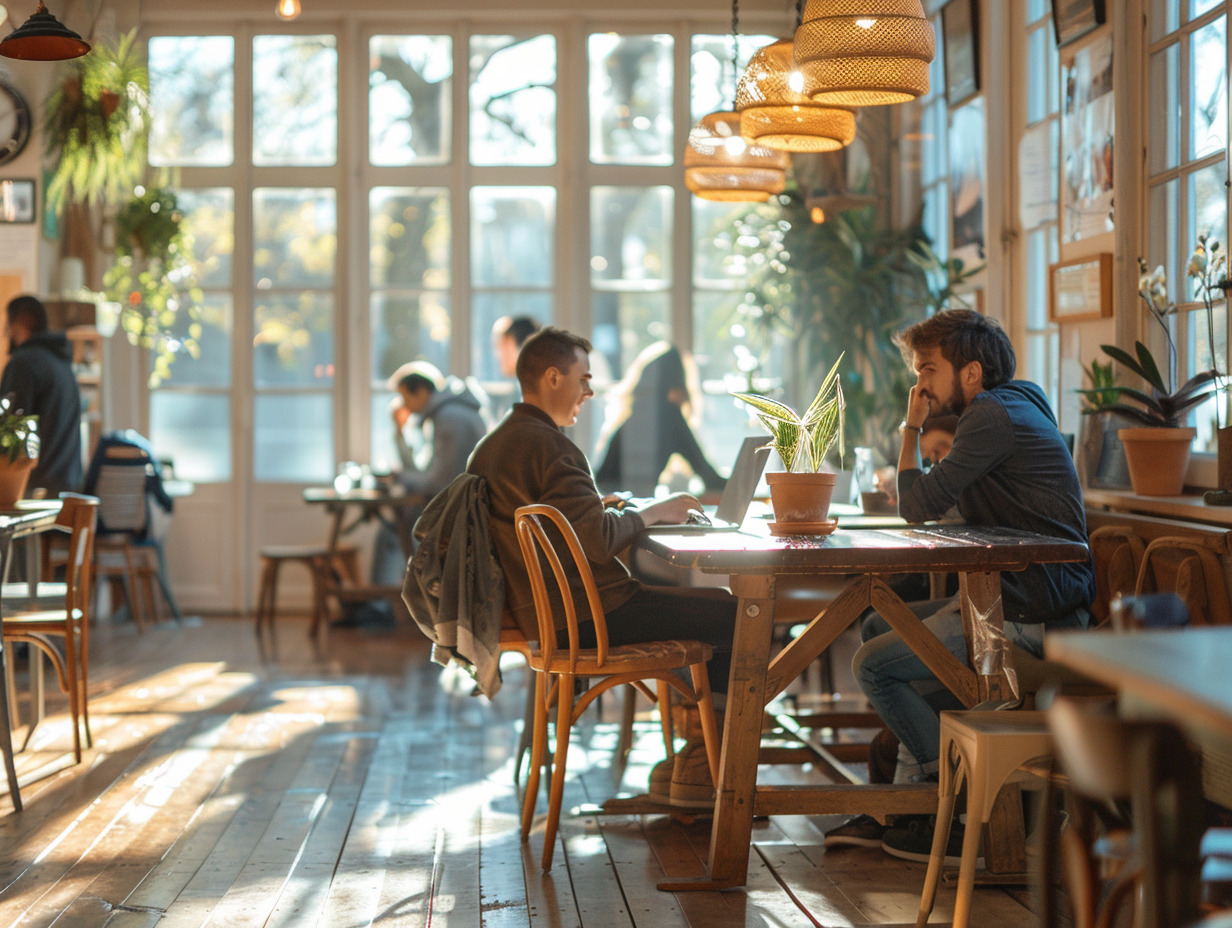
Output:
(776, 110)
(865, 52)
(720, 164)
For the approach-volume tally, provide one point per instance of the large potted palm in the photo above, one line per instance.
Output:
(801, 495)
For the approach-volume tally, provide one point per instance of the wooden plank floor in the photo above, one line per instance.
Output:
(357, 787)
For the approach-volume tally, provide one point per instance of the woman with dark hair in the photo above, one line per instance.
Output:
(649, 423)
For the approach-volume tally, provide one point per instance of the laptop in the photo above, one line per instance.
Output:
(737, 494)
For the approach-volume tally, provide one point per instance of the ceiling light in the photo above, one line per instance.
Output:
(287, 9)
(774, 114)
(43, 38)
(865, 52)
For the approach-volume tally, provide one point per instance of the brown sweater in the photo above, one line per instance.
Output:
(528, 459)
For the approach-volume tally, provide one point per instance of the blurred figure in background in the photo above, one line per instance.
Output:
(39, 374)
(649, 421)
(508, 334)
(445, 420)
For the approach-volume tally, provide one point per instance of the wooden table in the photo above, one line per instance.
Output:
(1177, 674)
(26, 518)
(754, 563)
(349, 509)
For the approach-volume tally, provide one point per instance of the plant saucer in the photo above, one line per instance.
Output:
(803, 528)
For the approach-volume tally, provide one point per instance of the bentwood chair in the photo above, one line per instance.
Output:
(553, 555)
(1135, 796)
(40, 626)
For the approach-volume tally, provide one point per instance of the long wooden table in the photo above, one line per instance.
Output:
(1177, 674)
(754, 563)
(26, 518)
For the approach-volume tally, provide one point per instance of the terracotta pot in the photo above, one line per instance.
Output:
(1223, 449)
(801, 497)
(1157, 459)
(13, 477)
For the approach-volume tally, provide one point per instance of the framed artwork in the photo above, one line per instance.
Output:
(16, 201)
(1081, 289)
(1087, 143)
(960, 36)
(966, 151)
(1072, 19)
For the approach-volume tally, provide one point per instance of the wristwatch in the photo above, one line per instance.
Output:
(904, 426)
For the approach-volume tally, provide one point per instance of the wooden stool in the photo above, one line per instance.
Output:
(985, 749)
(318, 562)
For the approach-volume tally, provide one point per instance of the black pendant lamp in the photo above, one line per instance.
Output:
(43, 38)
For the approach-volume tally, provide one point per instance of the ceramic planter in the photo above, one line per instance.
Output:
(801, 497)
(1157, 459)
(13, 477)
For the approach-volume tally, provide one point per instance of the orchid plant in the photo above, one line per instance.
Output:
(1208, 268)
(1162, 406)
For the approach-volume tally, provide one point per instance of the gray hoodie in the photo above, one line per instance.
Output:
(457, 424)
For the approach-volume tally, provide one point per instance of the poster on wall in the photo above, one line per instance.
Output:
(967, 183)
(1087, 143)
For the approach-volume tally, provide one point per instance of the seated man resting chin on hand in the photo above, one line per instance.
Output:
(529, 459)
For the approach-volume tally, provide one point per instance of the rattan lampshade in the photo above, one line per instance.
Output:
(865, 52)
(779, 115)
(720, 164)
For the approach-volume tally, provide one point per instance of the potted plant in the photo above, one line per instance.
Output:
(1157, 450)
(800, 496)
(19, 447)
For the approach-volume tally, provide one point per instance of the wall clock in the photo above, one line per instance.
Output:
(14, 122)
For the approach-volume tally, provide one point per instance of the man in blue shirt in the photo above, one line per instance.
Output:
(1008, 467)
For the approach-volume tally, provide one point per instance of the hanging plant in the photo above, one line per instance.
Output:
(97, 126)
(153, 279)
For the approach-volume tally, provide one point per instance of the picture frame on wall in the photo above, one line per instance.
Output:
(1081, 289)
(16, 201)
(960, 37)
(1072, 19)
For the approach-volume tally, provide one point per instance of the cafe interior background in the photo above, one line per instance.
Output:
(366, 182)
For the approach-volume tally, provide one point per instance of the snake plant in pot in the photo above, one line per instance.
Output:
(801, 495)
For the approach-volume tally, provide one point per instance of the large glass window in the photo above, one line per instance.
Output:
(294, 100)
(1187, 197)
(410, 84)
(190, 412)
(513, 99)
(631, 99)
(295, 240)
(192, 90)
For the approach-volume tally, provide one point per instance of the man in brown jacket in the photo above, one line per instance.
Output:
(528, 459)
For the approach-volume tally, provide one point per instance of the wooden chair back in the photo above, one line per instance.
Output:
(79, 515)
(1124, 773)
(1117, 551)
(1193, 571)
(538, 549)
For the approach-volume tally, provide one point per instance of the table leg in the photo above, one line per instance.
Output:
(732, 831)
(6, 730)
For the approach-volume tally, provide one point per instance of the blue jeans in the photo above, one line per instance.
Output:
(901, 688)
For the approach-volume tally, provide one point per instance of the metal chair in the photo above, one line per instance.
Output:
(557, 667)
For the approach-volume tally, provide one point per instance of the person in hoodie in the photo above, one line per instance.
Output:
(1008, 467)
(39, 375)
(448, 417)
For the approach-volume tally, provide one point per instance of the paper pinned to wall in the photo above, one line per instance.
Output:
(17, 246)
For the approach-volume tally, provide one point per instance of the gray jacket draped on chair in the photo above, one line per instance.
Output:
(454, 587)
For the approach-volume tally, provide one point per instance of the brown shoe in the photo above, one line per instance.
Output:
(692, 787)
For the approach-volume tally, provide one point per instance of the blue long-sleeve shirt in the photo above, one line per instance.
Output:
(1010, 467)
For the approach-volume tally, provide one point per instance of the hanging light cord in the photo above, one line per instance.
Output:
(799, 13)
(735, 50)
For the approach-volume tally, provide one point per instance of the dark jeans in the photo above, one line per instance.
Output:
(669, 613)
